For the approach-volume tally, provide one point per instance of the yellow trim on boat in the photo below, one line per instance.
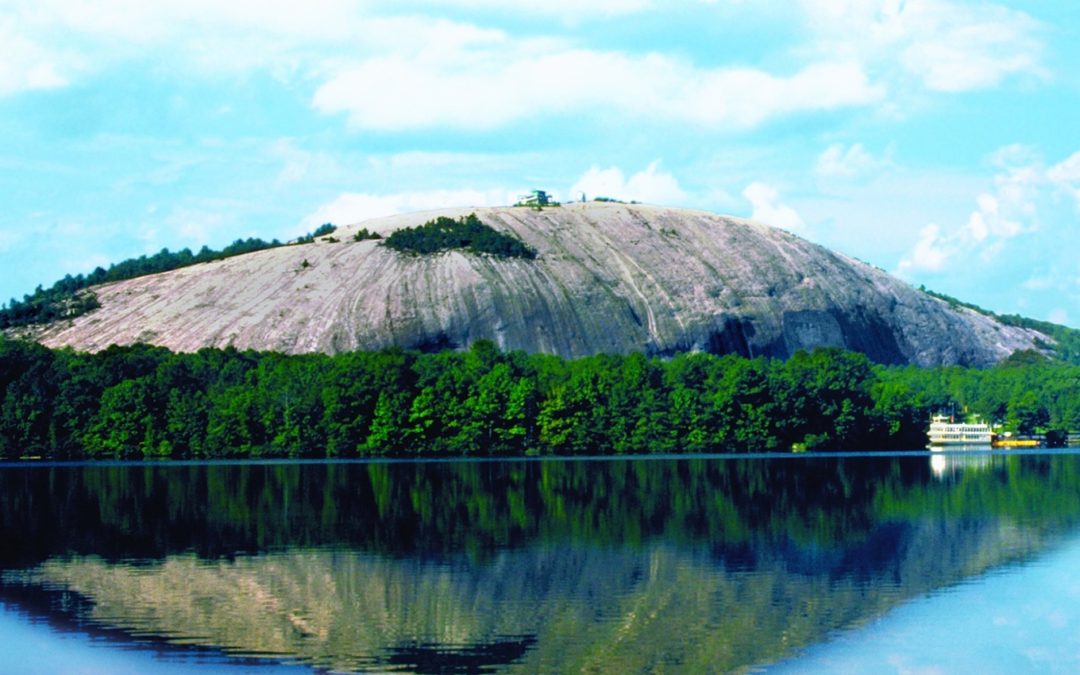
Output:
(1016, 443)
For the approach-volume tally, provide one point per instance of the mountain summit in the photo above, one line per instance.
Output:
(600, 277)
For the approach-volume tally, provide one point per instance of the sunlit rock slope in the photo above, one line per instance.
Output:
(608, 278)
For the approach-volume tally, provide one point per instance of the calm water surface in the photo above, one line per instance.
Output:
(853, 563)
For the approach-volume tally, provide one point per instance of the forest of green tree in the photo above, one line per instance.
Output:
(143, 401)
(466, 233)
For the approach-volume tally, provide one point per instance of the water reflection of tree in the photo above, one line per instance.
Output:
(439, 508)
(581, 562)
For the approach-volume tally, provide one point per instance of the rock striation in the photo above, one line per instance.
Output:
(608, 277)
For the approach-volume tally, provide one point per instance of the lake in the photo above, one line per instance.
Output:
(821, 563)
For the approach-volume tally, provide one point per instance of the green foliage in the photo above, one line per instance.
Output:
(67, 298)
(1066, 340)
(363, 234)
(143, 401)
(468, 233)
(321, 231)
(45, 306)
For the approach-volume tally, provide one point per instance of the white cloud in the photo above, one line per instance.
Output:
(1023, 189)
(195, 226)
(490, 85)
(299, 165)
(48, 43)
(930, 252)
(970, 49)
(285, 38)
(26, 65)
(650, 186)
(140, 21)
(944, 46)
(838, 161)
(984, 234)
(557, 8)
(353, 207)
(1065, 175)
(769, 209)
(1041, 282)
(414, 160)
(383, 63)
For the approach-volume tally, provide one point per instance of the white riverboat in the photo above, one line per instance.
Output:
(945, 432)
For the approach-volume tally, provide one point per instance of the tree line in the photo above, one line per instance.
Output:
(71, 296)
(1066, 341)
(144, 401)
(65, 299)
(68, 297)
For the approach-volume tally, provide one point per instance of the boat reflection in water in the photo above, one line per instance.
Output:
(949, 464)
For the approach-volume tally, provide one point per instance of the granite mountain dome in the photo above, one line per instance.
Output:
(608, 277)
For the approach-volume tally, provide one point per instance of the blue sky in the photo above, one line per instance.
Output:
(936, 139)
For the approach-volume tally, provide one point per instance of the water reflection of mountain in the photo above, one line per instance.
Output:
(555, 566)
(567, 608)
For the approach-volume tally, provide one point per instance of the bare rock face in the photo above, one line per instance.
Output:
(608, 278)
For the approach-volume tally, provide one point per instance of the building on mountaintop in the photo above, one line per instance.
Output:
(535, 198)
